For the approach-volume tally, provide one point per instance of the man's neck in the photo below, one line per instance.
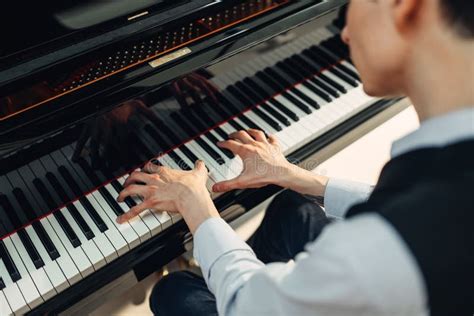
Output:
(441, 78)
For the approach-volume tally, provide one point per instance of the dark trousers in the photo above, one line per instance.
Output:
(291, 221)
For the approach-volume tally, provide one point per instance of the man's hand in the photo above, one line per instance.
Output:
(162, 188)
(264, 162)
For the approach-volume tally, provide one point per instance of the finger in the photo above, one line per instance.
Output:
(242, 136)
(134, 211)
(133, 189)
(138, 176)
(228, 185)
(234, 146)
(258, 135)
(200, 166)
(153, 166)
(272, 140)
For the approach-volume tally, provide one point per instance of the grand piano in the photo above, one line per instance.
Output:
(91, 91)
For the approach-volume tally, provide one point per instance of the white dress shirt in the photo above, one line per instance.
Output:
(359, 266)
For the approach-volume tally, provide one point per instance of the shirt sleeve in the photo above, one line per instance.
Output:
(356, 267)
(340, 195)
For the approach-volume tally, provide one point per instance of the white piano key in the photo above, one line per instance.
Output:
(137, 224)
(124, 229)
(88, 246)
(224, 170)
(288, 137)
(78, 256)
(100, 239)
(26, 284)
(39, 276)
(4, 306)
(208, 160)
(113, 234)
(51, 268)
(12, 293)
(284, 142)
(297, 130)
(228, 128)
(64, 260)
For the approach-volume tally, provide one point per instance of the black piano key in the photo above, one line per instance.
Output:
(86, 230)
(235, 103)
(9, 264)
(97, 179)
(37, 226)
(275, 74)
(314, 84)
(151, 131)
(179, 161)
(176, 141)
(164, 143)
(118, 188)
(2, 284)
(84, 201)
(258, 89)
(290, 70)
(322, 81)
(68, 231)
(192, 131)
(111, 201)
(11, 212)
(30, 248)
(188, 153)
(266, 79)
(300, 63)
(193, 116)
(248, 90)
(164, 128)
(239, 94)
(204, 116)
(223, 112)
(315, 53)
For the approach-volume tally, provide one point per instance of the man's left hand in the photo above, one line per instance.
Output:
(165, 189)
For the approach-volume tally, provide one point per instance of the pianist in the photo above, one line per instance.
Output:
(405, 248)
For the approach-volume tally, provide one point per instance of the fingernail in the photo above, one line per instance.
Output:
(119, 220)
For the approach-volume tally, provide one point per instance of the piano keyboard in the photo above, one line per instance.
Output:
(297, 92)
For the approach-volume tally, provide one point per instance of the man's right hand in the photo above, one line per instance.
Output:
(263, 160)
(264, 164)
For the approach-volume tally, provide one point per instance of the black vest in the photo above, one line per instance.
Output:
(428, 196)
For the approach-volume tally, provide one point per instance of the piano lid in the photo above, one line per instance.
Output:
(110, 61)
(31, 23)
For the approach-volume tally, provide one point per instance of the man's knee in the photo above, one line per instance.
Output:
(287, 204)
(168, 293)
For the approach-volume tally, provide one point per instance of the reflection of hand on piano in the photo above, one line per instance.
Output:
(163, 188)
(264, 162)
(109, 132)
(195, 86)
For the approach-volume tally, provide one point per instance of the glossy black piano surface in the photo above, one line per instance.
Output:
(63, 163)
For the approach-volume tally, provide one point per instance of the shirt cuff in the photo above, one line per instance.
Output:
(213, 239)
(340, 195)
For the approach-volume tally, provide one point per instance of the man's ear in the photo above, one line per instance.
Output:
(406, 14)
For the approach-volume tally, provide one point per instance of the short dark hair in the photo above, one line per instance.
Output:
(460, 15)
